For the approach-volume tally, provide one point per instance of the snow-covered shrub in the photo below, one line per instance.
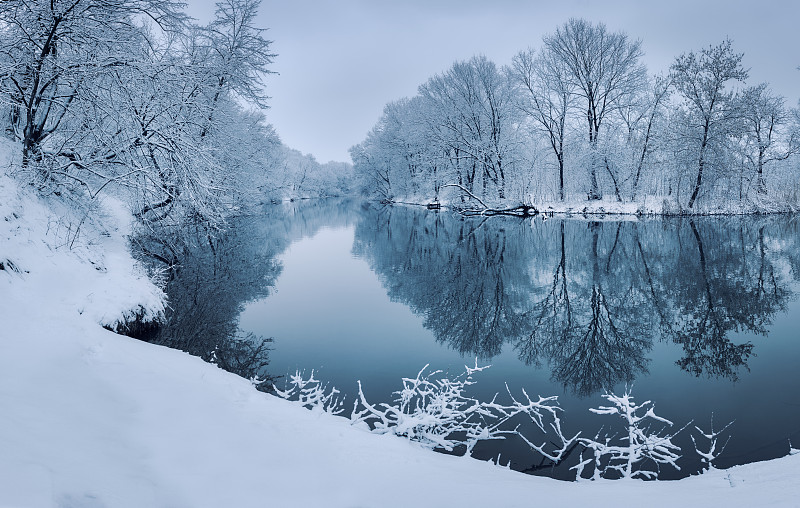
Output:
(434, 410)
(639, 444)
(246, 355)
(539, 412)
(312, 394)
(712, 452)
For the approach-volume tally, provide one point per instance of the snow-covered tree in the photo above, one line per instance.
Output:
(51, 51)
(239, 57)
(545, 94)
(642, 119)
(399, 158)
(605, 72)
(125, 92)
(702, 80)
(470, 113)
(764, 118)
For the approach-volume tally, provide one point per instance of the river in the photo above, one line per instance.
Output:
(699, 315)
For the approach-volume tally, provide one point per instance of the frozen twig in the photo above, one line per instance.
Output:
(311, 394)
(638, 445)
(708, 457)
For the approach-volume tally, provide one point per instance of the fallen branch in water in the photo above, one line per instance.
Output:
(517, 211)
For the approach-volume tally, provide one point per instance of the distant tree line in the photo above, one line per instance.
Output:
(135, 96)
(580, 118)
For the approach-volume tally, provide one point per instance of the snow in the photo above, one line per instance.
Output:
(80, 263)
(659, 205)
(92, 419)
(610, 207)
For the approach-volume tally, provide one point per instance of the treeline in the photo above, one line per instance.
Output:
(135, 96)
(580, 118)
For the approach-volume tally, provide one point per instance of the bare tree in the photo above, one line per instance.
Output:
(764, 115)
(545, 94)
(702, 80)
(640, 118)
(604, 70)
(239, 54)
(52, 49)
(472, 107)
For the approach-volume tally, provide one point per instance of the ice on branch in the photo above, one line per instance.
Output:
(544, 413)
(638, 445)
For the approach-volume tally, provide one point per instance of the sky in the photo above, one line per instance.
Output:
(339, 62)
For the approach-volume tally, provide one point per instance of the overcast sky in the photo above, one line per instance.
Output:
(341, 61)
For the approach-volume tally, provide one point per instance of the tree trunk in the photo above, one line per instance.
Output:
(502, 191)
(697, 183)
(644, 154)
(613, 179)
(701, 165)
(594, 191)
(761, 185)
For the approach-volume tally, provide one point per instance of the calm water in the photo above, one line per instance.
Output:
(700, 316)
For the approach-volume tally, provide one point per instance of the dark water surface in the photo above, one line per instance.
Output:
(699, 315)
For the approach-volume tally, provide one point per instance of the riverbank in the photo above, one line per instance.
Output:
(649, 206)
(90, 418)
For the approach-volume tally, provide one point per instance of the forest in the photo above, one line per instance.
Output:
(580, 119)
(133, 98)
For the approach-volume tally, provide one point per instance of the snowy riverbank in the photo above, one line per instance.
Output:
(89, 418)
(644, 206)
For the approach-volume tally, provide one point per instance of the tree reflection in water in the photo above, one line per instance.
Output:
(588, 298)
(734, 287)
(214, 276)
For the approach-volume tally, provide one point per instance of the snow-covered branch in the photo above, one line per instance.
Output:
(637, 445)
(436, 412)
(712, 451)
(312, 394)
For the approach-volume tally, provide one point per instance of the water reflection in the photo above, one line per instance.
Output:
(213, 276)
(586, 297)
(588, 303)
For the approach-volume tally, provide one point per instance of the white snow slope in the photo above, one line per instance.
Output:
(90, 419)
